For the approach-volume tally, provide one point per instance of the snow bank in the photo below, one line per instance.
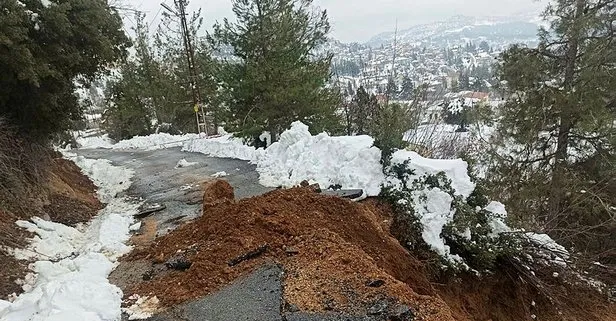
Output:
(102, 141)
(69, 282)
(349, 161)
(455, 169)
(154, 141)
(110, 179)
(225, 146)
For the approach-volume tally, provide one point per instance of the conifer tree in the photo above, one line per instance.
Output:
(46, 47)
(277, 76)
(561, 117)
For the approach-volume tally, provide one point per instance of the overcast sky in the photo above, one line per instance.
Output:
(359, 20)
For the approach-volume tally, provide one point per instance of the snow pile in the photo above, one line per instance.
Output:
(455, 169)
(184, 163)
(220, 174)
(111, 180)
(102, 141)
(225, 146)
(154, 141)
(350, 161)
(69, 282)
(433, 208)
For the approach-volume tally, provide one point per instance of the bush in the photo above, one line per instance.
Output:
(22, 168)
(470, 234)
(388, 130)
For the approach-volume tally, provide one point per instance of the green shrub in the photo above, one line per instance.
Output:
(469, 234)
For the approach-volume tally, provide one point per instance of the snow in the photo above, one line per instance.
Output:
(154, 141)
(350, 161)
(433, 206)
(497, 223)
(69, 282)
(143, 308)
(220, 174)
(225, 146)
(135, 227)
(111, 180)
(455, 169)
(434, 213)
(184, 163)
(550, 250)
(102, 141)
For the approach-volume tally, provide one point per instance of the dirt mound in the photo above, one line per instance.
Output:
(216, 192)
(336, 253)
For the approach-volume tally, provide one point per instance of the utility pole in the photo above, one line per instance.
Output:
(392, 73)
(200, 113)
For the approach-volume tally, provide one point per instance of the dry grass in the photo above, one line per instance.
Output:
(23, 166)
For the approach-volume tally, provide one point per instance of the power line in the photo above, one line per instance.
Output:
(156, 15)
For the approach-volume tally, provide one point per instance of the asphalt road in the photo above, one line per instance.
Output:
(158, 181)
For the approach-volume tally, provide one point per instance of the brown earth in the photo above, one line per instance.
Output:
(330, 248)
(67, 196)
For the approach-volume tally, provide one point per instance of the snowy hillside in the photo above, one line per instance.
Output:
(497, 29)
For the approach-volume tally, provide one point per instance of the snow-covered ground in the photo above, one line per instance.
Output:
(69, 279)
(225, 146)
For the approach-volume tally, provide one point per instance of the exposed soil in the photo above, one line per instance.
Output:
(11, 236)
(331, 249)
(72, 196)
(67, 197)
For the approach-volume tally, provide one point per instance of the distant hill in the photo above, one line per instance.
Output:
(464, 28)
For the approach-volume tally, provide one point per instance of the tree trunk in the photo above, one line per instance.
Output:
(567, 121)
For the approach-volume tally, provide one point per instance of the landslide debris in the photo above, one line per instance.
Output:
(336, 254)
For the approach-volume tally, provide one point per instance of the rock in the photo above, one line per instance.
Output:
(291, 307)
(148, 275)
(290, 250)
(378, 308)
(178, 262)
(215, 193)
(402, 313)
(375, 283)
(329, 304)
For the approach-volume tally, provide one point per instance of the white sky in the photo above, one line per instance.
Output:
(359, 20)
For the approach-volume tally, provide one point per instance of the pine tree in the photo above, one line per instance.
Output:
(407, 89)
(278, 77)
(363, 111)
(153, 92)
(45, 49)
(561, 113)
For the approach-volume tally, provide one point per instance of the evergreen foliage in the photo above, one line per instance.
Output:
(277, 76)
(559, 119)
(47, 52)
